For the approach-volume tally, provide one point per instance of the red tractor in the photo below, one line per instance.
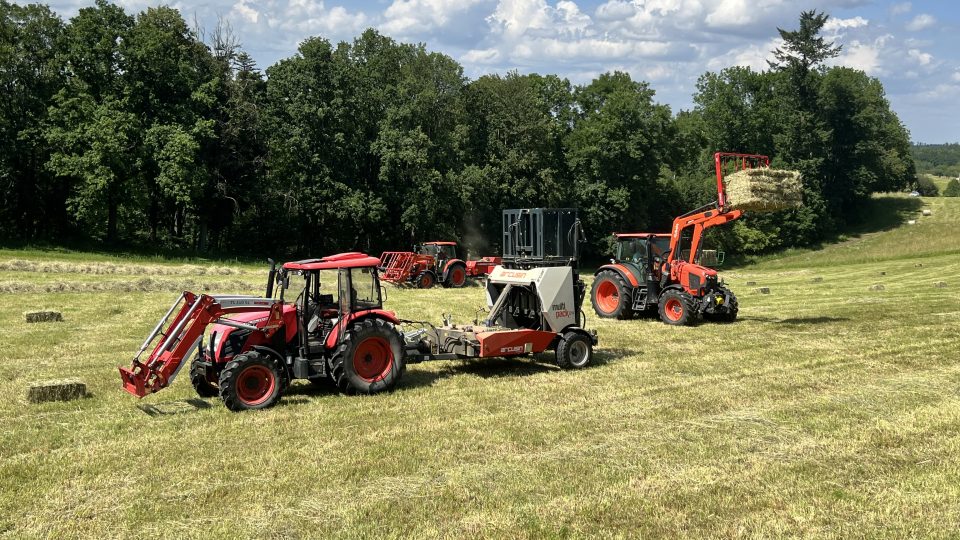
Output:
(431, 263)
(665, 271)
(334, 330)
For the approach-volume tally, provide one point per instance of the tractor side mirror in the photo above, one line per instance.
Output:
(383, 294)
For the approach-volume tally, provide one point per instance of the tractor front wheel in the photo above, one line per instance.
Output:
(425, 280)
(456, 276)
(611, 296)
(574, 351)
(201, 381)
(369, 359)
(728, 316)
(676, 308)
(251, 381)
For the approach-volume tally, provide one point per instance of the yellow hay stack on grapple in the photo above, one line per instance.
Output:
(764, 190)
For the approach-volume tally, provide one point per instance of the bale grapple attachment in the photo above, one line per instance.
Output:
(395, 266)
(179, 332)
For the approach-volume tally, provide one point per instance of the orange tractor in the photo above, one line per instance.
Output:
(667, 271)
(431, 263)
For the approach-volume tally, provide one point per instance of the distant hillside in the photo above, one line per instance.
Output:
(938, 159)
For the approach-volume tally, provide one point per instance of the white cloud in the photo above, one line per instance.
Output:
(245, 12)
(413, 16)
(956, 76)
(921, 22)
(862, 56)
(754, 56)
(481, 56)
(921, 58)
(900, 9)
(833, 24)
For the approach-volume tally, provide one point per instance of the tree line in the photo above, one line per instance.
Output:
(137, 130)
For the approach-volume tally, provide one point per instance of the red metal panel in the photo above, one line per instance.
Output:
(332, 262)
(513, 342)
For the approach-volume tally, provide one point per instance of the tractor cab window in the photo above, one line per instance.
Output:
(632, 250)
(686, 239)
(365, 292)
(438, 251)
(323, 293)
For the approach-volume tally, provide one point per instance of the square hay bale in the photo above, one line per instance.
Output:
(764, 290)
(926, 212)
(877, 287)
(912, 222)
(57, 390)
(940, 284)
(764, 190)
(816, 279)
(43, 316)
(751, 283)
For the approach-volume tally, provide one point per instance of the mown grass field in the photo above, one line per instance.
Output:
(827, 410)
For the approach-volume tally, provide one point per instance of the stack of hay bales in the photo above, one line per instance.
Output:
(764, 190)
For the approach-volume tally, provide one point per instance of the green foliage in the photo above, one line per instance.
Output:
(952, 189)
(937, 159)
(148, 132)
(926, 187)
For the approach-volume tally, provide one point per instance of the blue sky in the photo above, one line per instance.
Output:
(912, 47)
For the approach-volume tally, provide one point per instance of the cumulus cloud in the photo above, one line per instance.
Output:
(919, 57)
(921, 22)
(834, 25)
(403, 17)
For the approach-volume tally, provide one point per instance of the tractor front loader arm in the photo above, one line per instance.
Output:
(175, 338)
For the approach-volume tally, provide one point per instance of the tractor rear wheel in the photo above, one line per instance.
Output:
(251, 381)
(574, 351)
(611, 296)
(369, 359)
(676, 308)
(425, 280)
(456, 276)
(201, 382)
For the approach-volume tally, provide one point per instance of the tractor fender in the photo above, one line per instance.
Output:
(448, 266)
(630, 275)
(334, 336)
(270, 351)
(592, 336)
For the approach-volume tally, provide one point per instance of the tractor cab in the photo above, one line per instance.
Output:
(635, 249)
(332, 288)
(438, 250)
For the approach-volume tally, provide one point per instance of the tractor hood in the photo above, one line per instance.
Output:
(254, 318)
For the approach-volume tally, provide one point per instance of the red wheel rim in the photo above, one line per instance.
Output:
(458, 276)
(426, 281)
(608, 297)
(373, 359)
(673, 309)
(255, 385)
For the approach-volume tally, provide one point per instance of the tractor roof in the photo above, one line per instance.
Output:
(440, 243)
(641, 235)
(352, 259)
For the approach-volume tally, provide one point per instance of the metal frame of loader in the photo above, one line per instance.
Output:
(667, 274)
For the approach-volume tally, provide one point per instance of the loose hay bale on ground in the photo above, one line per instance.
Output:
(57, 390)
(764, 190)
(926, 211)
(43, 316)
(764, 290)
(816, 279)
(751, 283)
(940, 284)
(877, 287)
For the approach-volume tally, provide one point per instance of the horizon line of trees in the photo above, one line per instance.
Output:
(123, 129)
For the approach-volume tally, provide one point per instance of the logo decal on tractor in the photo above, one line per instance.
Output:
(511, 350)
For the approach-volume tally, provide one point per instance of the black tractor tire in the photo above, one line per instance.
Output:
(369, 358)
(426, 280)
(252, 380)
(456, 276)
(575, 351)
(728, 316)
(676, 308)
(611, 296)
(200, 380)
